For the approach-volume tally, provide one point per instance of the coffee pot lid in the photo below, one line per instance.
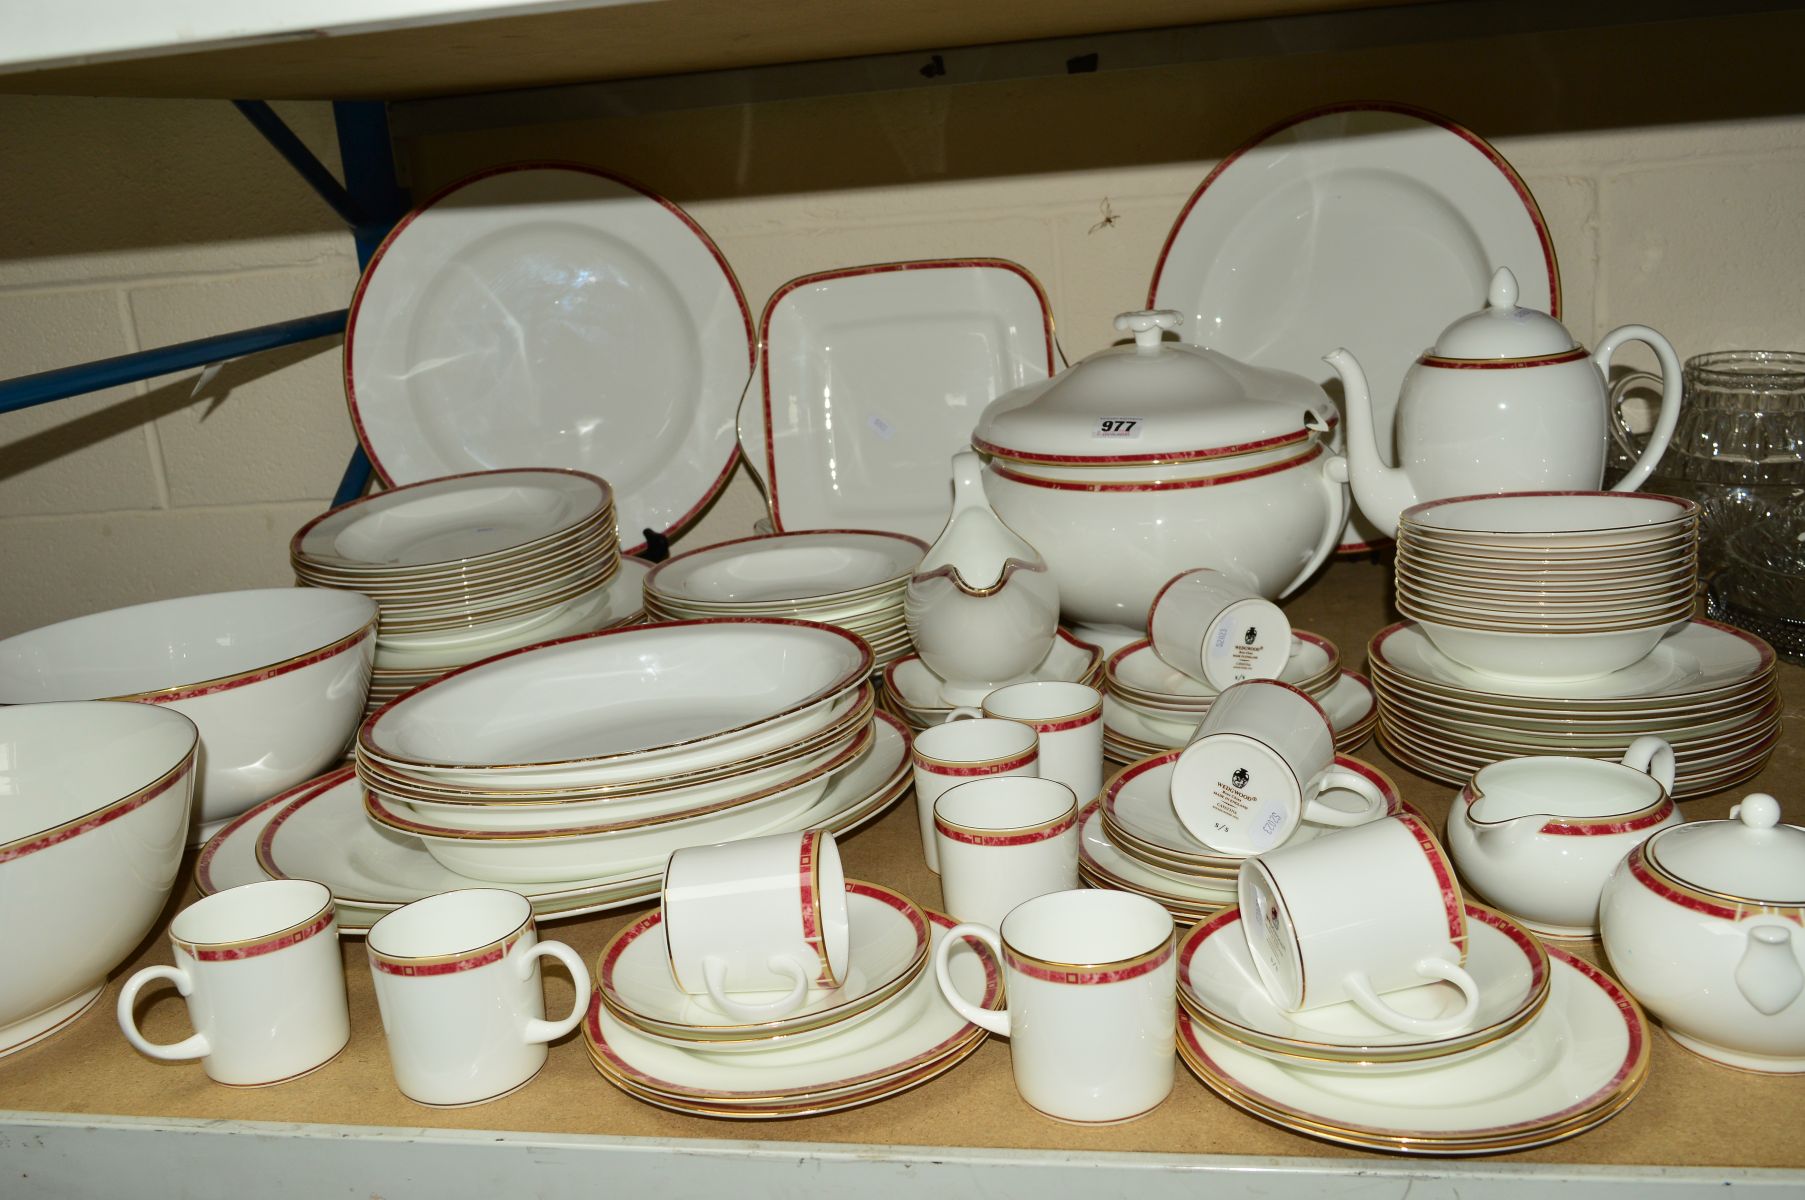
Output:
(1502, 330)
(1750, 857)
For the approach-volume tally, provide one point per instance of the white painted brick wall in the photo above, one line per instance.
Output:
(134, 223)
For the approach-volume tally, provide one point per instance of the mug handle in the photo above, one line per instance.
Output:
(547, 1031)
(1375, 804)
(714, 976)
(995, 1020)
(1670, 396)
(1654, 758)
(964, 712)
(1360, 990)
(195, 1046)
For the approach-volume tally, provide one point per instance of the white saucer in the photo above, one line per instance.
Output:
(1101, 858)
(1577, 1063)
(910, 1032)
(1350, 705)
(1135, 668)
(378, 870)
(915, 687)
(888, 939)
(1217, 980)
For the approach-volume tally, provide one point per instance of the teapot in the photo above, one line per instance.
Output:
(1506, 401)
(1705, 925)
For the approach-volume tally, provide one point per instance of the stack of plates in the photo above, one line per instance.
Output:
(1550, 585)
(586, 756)
(1131, 840)
(466, 567)
(1150, 707)
(886, 1030)
(912, 690)
(1557, 1048)
(1709, 690)
(321, 831)
(846, 577)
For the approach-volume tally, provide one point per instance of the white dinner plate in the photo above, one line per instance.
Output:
(888, 939)
(873, 377)
(911, 1031)
(1585, 1054)
(373, 869)
(1218, 981)
(552, 315)
(1369, 226)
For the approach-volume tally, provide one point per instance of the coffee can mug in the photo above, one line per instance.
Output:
(260, 969)
(757, 915)
(1067, 719)
(1092, 1019)
(957, 751)
(1355, 914)
(1218, 631)
(463, 1006)
(1256, 768)
(1003, 841)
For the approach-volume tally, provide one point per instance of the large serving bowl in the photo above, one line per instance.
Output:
(275, 679)
(94, 802)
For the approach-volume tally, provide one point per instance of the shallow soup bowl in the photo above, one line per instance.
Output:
(275, 678)
(94, 802)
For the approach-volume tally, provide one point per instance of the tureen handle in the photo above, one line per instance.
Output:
(1148, 326)
(1333, 476)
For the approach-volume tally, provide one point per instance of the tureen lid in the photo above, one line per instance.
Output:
(1151, 402)
(1749, 857)
(1502, 330)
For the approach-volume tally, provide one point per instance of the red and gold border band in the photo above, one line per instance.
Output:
(450, 964)
(1015, 837)
(1505, 364)
(808, 876)
(1444, 879)
(1090, 973)
(232, 952)
(225, 683)
(1703, 902)
(105, 816)
(995, 766)
(1168, 485)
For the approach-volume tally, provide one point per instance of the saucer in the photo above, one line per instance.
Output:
(1137, 812)
(1102, 864)
(916, 689)
(1577, 1064)
(1351, 706)
(889, 945)
(1217, 982)
(372, 870)
(1138, 672)
(896, 1048)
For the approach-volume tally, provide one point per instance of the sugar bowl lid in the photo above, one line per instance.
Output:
(1750, 857)
(1151, 402)
(1502, 330)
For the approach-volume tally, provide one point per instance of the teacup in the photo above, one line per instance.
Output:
(458, 986)
(951, 754)
(1003, 841)
(259, 967)
(1217, 630)
(1257, 766)
(1092, 982)
(1355, 914)
(756, 915)
(1539, 836)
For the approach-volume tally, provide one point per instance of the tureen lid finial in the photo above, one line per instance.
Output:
(1148, 326)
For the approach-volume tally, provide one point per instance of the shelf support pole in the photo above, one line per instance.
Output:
(277, 133)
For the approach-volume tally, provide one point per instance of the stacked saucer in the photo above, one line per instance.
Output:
(594, 754)
(1150, 707)
(1548, 586)
(1131, 840)
(467, 566)
(886, 1030)
(1709, 690)
(913, 692)
(1557, 1047)
(850, 578)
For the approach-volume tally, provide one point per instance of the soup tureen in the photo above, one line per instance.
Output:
(1146, 460)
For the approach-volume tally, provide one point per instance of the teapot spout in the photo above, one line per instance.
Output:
(1381, 491)
(1768, 976)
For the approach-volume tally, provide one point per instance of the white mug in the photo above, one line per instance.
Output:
(1067, 718)
(1256, 768)
(756, 915)
(463, 1007)
(1355, 914)
(951, 754)
(1005, 840)
(1218, 631)
(259, 966)
(1092, 982)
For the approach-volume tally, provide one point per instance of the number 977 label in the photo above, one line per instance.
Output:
(1118, 427)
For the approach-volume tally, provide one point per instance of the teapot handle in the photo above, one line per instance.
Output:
(1627, 439)
(1670, 396)
(1333, 475)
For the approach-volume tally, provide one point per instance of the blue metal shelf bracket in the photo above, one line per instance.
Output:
(264, 119)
